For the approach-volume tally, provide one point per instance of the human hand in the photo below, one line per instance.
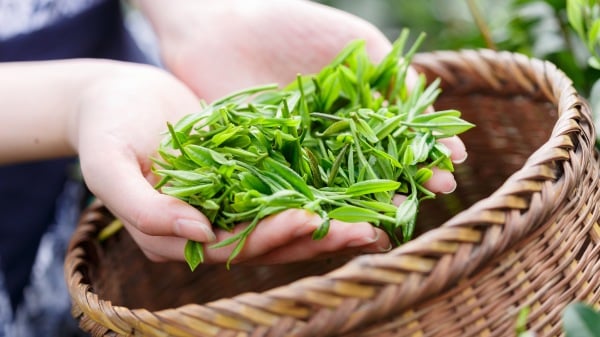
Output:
(119, 123)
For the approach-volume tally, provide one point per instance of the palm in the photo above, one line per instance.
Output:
(259, 46)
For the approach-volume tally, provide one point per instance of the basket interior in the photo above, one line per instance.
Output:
(509, 128)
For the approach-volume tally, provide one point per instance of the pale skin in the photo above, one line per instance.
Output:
(113, 114)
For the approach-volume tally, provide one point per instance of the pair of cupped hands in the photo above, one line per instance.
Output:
(210, 50)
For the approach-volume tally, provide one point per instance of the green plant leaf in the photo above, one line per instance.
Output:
(580, 320)
(289, 175)
(594, 62)
(445, 125)
(336, 128)
(424, 118)
(194, 254)
(377, 206)
(423, 174)
(366, 131)
(207, 190)
(420, 146)
(406, 216)
(407, 210)
(593, 37)
(352, 47)
(372, 186)
(323, 229)
(521, 324)
(200, 155)
(355, 214)
(244, 93)
(186, 176)
(250, 181)
(575, 16)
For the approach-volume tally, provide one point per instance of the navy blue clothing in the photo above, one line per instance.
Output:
(28, 191)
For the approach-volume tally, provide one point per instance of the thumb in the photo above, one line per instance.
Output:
(130, 196)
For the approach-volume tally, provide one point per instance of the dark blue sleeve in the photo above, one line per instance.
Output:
(98, 32)
(28, 191)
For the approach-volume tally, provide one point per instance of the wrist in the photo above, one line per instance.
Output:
(39, 105)
(113, 98)
(37, 99)
(93, 84)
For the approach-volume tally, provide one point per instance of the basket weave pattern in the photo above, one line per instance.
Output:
(522, 230)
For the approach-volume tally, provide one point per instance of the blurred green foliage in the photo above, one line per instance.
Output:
(581, 320)
(537, 28)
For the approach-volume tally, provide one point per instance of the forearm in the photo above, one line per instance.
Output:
(38, 105)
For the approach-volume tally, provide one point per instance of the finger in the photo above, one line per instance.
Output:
(270, 233)
(342, 239)
(411, 78)
(398, 199)
(281, 228)
(137, 202)
(458, 151)
(158, 248)
(283, 237)
(441, 181)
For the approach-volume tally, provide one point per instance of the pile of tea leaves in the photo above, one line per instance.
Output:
(340, 143)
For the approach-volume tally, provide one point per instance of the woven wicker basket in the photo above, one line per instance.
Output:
(520, 231)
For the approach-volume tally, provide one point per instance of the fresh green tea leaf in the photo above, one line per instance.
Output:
(580, 320)
(194, 254)
(372, 186)
(323, 229)
(290, 176)
(355, 214)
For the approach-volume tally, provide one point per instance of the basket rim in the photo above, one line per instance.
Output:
(473, 230)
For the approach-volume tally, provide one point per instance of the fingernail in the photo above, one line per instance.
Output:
(184, 227)
(386, 248)
(461, 160)
(365, 240)
(381, 249)
(452, 189)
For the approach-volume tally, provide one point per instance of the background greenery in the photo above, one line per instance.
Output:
(538, 28)
(564, 32)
